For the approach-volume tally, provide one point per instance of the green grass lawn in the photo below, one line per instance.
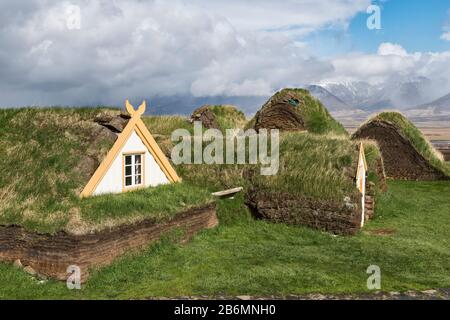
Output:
(244, 256)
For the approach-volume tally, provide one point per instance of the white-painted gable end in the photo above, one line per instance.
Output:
(113, 180)
(361, 180)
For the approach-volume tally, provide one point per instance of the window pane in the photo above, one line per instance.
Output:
(137, 170)
(127, 159)
(138, 179)
(128, 181)
(137, 158)
(128, 170)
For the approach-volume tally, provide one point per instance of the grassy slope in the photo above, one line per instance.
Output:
(317, 118)
(39, 179)
(313, 166)
(228, 117)
(37, 176)
(165, 125)
(310, 165)
(409, 130)
(244, 256)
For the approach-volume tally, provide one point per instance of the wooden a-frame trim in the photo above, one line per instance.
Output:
(137, 125)
(156, 151)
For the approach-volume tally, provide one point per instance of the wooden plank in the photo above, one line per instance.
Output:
(229, 192)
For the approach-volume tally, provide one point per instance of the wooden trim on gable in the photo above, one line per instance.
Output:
(107, 162)
(156, 152)
(134, 124)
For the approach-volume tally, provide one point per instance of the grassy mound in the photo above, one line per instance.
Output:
(296, 110)
(48, 156)
(165, 125)
(315, 184)
(317, 166)
(228, 117)
(407, 153)
(414, 135)
(220, 117)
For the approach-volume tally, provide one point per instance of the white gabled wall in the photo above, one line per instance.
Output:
(361, 185)
(112, 182)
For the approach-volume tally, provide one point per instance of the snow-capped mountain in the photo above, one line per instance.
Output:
(395, 93)
(353, 93)
(332, 102)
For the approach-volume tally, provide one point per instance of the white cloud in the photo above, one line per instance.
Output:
(446, 36)
(300, 15)
(146, 48)
(394, 62)
(386, 49)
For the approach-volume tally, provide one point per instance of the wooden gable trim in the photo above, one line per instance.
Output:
(106, 163)
(156, 152)
(134, 124)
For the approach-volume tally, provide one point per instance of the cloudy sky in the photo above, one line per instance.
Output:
(143, 48)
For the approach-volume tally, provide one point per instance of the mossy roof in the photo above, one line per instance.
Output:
(315, 115)
(314, 166)
(47, 157)
(414, 135)
(228, 117)
(318, 166)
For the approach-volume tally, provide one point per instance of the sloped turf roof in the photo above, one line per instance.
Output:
(316, 166)
(414, 135)
(47, 157)
(315, 116)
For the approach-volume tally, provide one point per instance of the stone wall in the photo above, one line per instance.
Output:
(339, 218)
(50, 255)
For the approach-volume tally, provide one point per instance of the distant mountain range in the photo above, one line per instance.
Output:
(395, 93)
(359, 99)
(348, 99)
(441, 105)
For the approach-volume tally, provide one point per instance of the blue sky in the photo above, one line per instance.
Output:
(416, 25)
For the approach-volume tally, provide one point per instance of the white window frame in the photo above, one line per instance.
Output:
(134, 165)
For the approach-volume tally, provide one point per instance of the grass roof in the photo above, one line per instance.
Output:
(317, 166)
(415, 136)
(228, 117)
(48, 156)
(316, 117)
(165, 125)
